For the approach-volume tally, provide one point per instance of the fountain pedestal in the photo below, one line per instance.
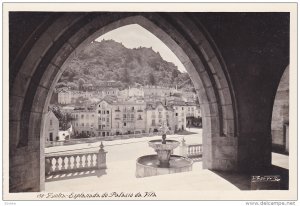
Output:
(164, 157)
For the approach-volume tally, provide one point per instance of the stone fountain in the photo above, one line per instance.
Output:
(164, 162)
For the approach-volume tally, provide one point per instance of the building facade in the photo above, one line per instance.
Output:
(51, 127)
(113, 117)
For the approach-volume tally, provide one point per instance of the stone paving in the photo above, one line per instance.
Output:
(120, 174)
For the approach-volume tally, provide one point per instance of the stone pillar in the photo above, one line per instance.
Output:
(224, 153)
(183, 148)
(101, 158)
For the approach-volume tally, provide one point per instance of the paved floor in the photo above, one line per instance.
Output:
(120, 174)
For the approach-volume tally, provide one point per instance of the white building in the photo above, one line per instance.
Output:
(51, 127)
(65, 97)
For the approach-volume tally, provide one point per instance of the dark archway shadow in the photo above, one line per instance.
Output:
(243, 181)
(75, 175)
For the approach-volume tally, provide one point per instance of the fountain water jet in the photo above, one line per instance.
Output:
(164, 162)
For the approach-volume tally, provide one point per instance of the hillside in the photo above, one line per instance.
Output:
(110, 60)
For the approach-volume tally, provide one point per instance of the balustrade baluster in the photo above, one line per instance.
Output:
(56, 164)
(80, 161)
(67, 163)
(83, 158)
(76, 163)
(88, 161)
(63, 164)
(60, 163)
(94, 160)
(52, 161)
(72, 162)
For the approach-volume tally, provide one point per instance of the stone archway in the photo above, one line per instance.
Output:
(35, 80)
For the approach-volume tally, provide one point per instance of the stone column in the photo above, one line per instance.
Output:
(183, 148)
(101, 158)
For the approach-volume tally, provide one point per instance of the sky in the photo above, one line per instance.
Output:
(134, 36)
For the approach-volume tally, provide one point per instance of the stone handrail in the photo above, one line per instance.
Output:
(190, 150)
(64, 163)
(194, 150)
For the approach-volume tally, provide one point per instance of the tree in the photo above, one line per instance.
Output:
(174, 74)
(71, 76)
(80, 83)
(126, 76)
(152, 80)
(61, 84)
(72, 85)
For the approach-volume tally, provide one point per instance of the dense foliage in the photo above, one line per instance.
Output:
(110, 60)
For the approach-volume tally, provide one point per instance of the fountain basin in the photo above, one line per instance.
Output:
(149, 165)
(157, 144)
(163, 150)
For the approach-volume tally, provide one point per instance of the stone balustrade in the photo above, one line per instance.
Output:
(190, 150)
(194, 150)
(64, 163)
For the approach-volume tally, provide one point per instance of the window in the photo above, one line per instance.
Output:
(125, 124)
(82, 124)
(107, 112)
(103, 119)
(139, 117)
(82, 116)
(99, 127)
(99, 105)
(99, 112)
(87, 116)
(50, 122)
(51, 136)
(153, 122)
(182, 108)
(176, 114)
(124, 116)
(92, 115)
(107, 120)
